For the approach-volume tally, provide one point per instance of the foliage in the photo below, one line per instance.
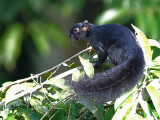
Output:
(44, 22)
(34, 21)
(144, 14)
(53, 98)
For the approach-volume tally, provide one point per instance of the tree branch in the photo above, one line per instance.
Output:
(44, 72)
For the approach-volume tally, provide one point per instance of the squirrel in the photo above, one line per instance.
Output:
(121, 46)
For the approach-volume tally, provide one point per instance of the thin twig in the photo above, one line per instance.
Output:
(54, 106)
(69, 110)
(83, 114)
(59, 110)
(45, 93)
(40, 74)
(53, 72)
(74, 95)
(54, 115)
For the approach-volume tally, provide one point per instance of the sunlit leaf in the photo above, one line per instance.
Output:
(65, 64)
(134, 117)
(6, 83)
(143, 41)
(61, 83)
(88, 67)
(157, 59)
(124, 109)
(77, 74)
(145, 106)
(15, 89)
(37, 104)
(119, 101)
(154, 43)
(155, 83)
(4, 114)
(155, 96)
(157, 73)
(57, 95)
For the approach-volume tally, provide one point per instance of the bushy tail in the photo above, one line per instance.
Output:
(112, 83)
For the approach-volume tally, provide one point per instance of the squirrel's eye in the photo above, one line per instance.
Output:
(76, 30)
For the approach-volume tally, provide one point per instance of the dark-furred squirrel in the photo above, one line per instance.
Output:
(120, 45)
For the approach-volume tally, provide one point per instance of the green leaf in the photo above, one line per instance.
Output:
(143, 41)
(77, 74)
(29, 114)
(109, 112)
(73, 65)
(16, 89)
(145, 106)
(60, 106)
(11, 45)
(39, 37)
(157, 73)
(96, 110)
(58, 95)
(61, 83)
(88, 67)
(155, 96)
(155, 114)
(119, 101)
(14, 103)
(37, 104)
(10, 118)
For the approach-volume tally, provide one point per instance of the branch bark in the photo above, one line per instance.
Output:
(2, 89)
(37, 87)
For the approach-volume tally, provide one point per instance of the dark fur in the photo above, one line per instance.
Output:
(119, 43)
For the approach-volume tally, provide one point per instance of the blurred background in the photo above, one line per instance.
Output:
(33, 33)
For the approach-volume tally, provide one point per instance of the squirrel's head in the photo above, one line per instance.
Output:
(79, 31)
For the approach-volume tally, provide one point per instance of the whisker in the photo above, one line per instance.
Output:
(76, 45)
(70, 45)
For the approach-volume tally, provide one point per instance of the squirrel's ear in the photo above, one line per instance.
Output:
(86, 21)
(86, 27)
